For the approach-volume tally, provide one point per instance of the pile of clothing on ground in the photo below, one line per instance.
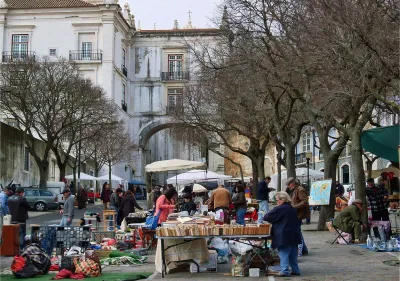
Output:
(32, 261)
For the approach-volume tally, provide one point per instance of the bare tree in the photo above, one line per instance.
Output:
(89, 112)
(37, 95)
(114, 146)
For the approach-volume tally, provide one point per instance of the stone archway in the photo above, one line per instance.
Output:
(149, 130)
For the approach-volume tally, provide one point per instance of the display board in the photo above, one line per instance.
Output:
(320, 192)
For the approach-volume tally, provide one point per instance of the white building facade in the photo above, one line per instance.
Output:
(143, 72)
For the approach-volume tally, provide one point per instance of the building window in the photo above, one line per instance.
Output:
(175, 63)
(345, 174)
(53, 170)
(175, 101)
(26, 159)
(86, 50)
(20, 46)
(123, 57)
(123, 92)
(306, 139)
(53, 52)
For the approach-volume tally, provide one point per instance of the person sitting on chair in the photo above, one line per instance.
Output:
(349, 220)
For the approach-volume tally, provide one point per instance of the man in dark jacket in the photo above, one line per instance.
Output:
(377, 196)
(263, 194)
(18, 206)
(105, 196)
(129, 203)
(286, 234)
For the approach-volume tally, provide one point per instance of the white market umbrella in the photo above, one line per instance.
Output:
(196, 176)
(113, 178)
(198, 188)
(83, 176)
(173, 165)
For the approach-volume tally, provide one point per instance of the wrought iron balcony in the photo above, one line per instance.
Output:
(18, 56)
(174, 110)
(124, 106)
(124, 70)
(300, 158)
(175, 76)
(79, 55)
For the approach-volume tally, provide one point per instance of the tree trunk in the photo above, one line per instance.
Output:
(255, 177)
(328, 211)
(290, 160)
(358, 170)
(62, 167)
(109, 174)
(43, 173)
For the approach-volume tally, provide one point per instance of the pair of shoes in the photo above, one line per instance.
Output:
(357, 241)
(294, 273)
(304, 253)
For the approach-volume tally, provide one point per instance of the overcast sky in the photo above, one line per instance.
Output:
(164, 12)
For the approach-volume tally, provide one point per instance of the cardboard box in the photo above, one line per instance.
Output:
(207, 266)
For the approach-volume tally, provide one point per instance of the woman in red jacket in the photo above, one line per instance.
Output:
(166, 204)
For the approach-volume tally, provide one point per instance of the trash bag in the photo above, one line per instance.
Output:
(38, 257)
(23, 268)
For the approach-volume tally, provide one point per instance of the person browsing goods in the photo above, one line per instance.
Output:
(68, 211)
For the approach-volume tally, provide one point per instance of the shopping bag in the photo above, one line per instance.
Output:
(152, 221)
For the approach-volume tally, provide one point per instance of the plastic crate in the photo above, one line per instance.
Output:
(50, 237)
(98, 236)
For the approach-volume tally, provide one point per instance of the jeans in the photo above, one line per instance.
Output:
(65, 222)
(305, 250)
(22, 234)
(240, 216)
(263, 206)
(288, 257)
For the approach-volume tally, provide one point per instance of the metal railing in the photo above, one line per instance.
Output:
(79, 55)
(175, 76)
(18, 56)
(124, 70)
(124, 106)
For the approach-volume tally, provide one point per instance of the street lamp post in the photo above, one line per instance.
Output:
(308, 155)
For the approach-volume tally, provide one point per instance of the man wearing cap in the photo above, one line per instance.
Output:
(68, 211)
(299, 197)
(349, 220)
(18, 207)
(377, 195)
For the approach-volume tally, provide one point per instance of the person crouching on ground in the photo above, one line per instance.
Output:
(189, 205)
(349, 220)
(240, 204)
(285, 234)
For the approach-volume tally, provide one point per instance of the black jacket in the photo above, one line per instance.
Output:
(189, 207)
(18, 206)
(128, 205)
(240, 201)
(263, 191)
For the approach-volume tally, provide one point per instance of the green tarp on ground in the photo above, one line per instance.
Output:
(107, 276)
(383, 142)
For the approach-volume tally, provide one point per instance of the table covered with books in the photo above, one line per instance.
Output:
(185, 240)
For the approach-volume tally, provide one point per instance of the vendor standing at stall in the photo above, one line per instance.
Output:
(129, 203)
(220, 200)
(166, 204)
(285, 233)
(377, 196)
(240, 204)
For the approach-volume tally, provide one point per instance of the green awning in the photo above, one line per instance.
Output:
(383, 142)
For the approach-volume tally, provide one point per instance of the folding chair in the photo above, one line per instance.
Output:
(337, 231)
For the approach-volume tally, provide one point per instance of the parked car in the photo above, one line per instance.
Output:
(41, 199)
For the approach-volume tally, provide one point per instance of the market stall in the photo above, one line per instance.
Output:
(196, 176)
(185, 240)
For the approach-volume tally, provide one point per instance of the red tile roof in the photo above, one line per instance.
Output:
(40, 4)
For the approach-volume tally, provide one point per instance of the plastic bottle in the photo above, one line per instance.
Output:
(369, 242)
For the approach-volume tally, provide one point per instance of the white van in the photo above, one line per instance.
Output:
(57, 187)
